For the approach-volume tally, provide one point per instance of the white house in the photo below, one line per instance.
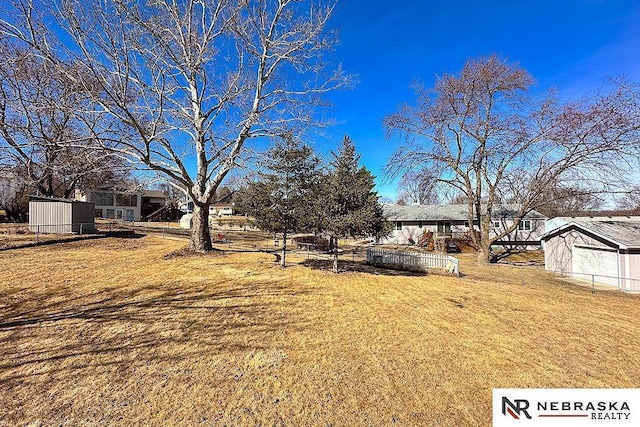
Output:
(221, 209)
(113, 204)
(122, 204)
(444, 221)
(216, 210)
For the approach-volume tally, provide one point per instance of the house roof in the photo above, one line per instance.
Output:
(625, 234)
(55, 199)
(458, 212)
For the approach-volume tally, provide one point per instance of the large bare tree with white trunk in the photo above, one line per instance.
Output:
(189, 82)
(484, 133)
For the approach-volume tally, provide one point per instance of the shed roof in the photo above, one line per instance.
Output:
(56, 199)
(455, 212)
(625, 234)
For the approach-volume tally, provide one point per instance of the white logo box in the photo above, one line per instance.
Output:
(566, 407)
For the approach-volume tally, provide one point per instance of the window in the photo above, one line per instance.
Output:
(102, 198)
(126, 200)
(524, 225)
(98, 213)
(444, 227)
(111, 213)
(399, 225)
(496, 224)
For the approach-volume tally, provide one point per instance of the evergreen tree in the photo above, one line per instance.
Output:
(350, 203)
(279, 201)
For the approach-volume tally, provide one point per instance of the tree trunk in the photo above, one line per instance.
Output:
(200, 234)
(484, 247)
(335, 254)
(484, 253)
(283, 258)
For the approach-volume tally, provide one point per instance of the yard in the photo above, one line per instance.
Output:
(129, 331)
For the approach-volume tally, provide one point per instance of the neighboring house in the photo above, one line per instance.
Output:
(49, 215)
(152, 201)
(606, 252)
(123, 205)
(221, 209)
(113, 204)
(216, 210)
(8, 186)
(444, 221)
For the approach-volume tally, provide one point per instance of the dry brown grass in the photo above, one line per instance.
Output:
(113, 332)
(13, 235)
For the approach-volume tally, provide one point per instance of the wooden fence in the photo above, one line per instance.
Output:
(413, 261)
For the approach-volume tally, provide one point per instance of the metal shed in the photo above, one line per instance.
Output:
(604, 252)
(49, 215)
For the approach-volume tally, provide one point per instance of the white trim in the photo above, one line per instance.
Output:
(618, 263)
(627, 273)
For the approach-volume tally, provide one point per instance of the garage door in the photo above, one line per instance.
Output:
(600, 262)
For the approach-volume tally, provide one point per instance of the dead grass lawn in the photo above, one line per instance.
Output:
(113, 332)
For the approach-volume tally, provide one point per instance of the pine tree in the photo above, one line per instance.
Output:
(279, 201)
(350, 203)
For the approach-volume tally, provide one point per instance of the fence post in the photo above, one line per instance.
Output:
(593, 283)
(37, 234)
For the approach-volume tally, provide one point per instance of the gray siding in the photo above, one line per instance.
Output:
(83, 217)
(56, 216)
(50, 217)
(558, 250)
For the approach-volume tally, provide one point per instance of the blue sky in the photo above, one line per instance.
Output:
(573, 45)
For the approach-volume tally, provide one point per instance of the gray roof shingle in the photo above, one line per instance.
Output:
(458, 212)
(626, 233)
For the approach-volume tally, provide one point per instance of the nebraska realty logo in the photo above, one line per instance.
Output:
(566, 407)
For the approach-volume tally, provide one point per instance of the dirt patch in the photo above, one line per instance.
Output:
(187, 252)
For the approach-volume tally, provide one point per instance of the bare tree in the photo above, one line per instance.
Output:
(418, 187)
(190, 82)
(630, 201)
(569, 201)
(485, 134)
(48, 148)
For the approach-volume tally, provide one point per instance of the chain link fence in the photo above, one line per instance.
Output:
(16, 235)
(603, 281)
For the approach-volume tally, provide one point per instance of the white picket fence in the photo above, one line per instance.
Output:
(414, 261)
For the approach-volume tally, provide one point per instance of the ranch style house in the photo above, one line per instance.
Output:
(451, 221)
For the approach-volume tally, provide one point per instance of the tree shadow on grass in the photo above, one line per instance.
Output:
(67, 239)
(125, 326)
(358, 267)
